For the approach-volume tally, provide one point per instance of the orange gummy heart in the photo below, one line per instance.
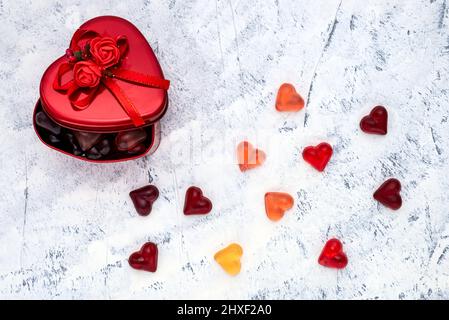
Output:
(288, 99)
(276, 203)
(248, 157)
(229, 258)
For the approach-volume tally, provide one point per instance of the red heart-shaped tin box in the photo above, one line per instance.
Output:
(102, 100)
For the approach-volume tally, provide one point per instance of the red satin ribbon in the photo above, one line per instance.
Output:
(74, 92)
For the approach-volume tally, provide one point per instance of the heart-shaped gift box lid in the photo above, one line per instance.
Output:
(105, 112)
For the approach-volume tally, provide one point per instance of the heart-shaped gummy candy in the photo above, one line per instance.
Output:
(145, 258)
(143, 199)
(248, 157)
(140, 148)
(376, 122)
(318, 156)
(43, 121)
(196, 202)
(288, 99)
(127, 140)
(389, 194)
(87, 140)
(276, 203)
(73, 145)
(229, 258)
(332, 255)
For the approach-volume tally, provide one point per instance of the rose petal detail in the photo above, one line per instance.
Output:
(104, 51)
(86, 74)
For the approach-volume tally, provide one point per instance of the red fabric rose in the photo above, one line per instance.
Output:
(104, 51)
(86, 74)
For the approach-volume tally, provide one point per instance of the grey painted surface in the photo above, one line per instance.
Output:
(67, 227)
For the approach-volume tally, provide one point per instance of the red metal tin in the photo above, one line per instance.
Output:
(105, 113)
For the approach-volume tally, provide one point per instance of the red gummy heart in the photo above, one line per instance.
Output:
(145, 258)
(376, 121)
(332, 255)
(389, 194)
(318, 156)
(143, 199)
(196, 203)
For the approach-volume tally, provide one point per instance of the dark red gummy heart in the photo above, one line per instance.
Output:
(127, 140)
(143, 199)
(318, 156)
(376, 122)
(196, 203)
(87, 140)
(145, 258)
(44, 121)
(332, 255)
(389, 194)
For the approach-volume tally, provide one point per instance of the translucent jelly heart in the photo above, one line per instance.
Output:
(93, 154)
(376, 122)
(74, 148)
(145, 259)
(276, 203)
(143, 199)
(104, 147)
(54, 139)
(138, 149)
(249, 157)
(100, 150)
(332, 255)
(127, 140)
(389, 194)
(318, 156)
(288, 99)
(43, 121)
(229, 258)
(196, 203)
(87, 140)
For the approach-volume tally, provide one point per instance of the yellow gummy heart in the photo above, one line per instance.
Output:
(229, 258)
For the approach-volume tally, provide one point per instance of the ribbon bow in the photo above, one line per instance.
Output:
(94, 61)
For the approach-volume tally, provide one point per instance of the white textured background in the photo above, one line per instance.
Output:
(67, 227)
